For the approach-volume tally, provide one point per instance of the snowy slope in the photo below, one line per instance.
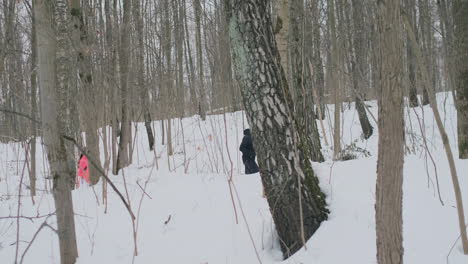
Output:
(190, 217)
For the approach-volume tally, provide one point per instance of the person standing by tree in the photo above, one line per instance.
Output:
(248, 153)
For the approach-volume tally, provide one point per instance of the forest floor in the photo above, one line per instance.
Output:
(186, 214)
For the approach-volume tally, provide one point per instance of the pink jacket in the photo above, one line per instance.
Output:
(83, 170)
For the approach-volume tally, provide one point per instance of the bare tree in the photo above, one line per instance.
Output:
(410, 57)
(333, 75)
(144, 96)
(358, 66)
(304, 110)
(53, 69)
(296, 201)
(461, 77)
(125, 139)
(88, 90)
(201, 79)
(389, 193)
(32, 170)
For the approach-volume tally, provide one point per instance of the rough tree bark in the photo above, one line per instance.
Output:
(304, 110)
(88, 91)
(389, 193)
(53, 71)
(281, 31)
(296, 202)
(317, 59)
(411, 60)
(460, 10)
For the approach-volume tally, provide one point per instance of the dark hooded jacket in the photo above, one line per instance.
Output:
(248, 153)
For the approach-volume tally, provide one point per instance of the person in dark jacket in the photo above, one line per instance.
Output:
(248, 153)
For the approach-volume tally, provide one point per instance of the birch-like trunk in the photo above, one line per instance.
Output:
(296, 202)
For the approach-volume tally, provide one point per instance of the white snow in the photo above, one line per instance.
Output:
(190, 218)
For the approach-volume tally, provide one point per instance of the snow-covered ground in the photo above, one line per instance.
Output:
(186, 214)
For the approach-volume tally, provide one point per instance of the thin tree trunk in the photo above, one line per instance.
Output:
(144, 95)
(334, 83)
(32, 171)
(317, 58)
(167, 49)
(201, 79)
(189, 65)
(179, 42)
(125, 140)
(358, 67)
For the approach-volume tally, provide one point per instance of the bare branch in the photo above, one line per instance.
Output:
(93, 162)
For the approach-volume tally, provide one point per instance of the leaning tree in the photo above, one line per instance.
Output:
(296, 202)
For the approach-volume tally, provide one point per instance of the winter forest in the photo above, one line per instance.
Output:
(233, 131)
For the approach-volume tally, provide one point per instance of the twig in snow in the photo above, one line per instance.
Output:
(19, 205)
(168, 220)
(143, 190)
(232, 169)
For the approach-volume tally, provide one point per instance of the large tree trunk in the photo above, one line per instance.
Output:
(296, 201)
(461, 74)
(53, 63)
(389, 193)
(88, 91)
(304, 110)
